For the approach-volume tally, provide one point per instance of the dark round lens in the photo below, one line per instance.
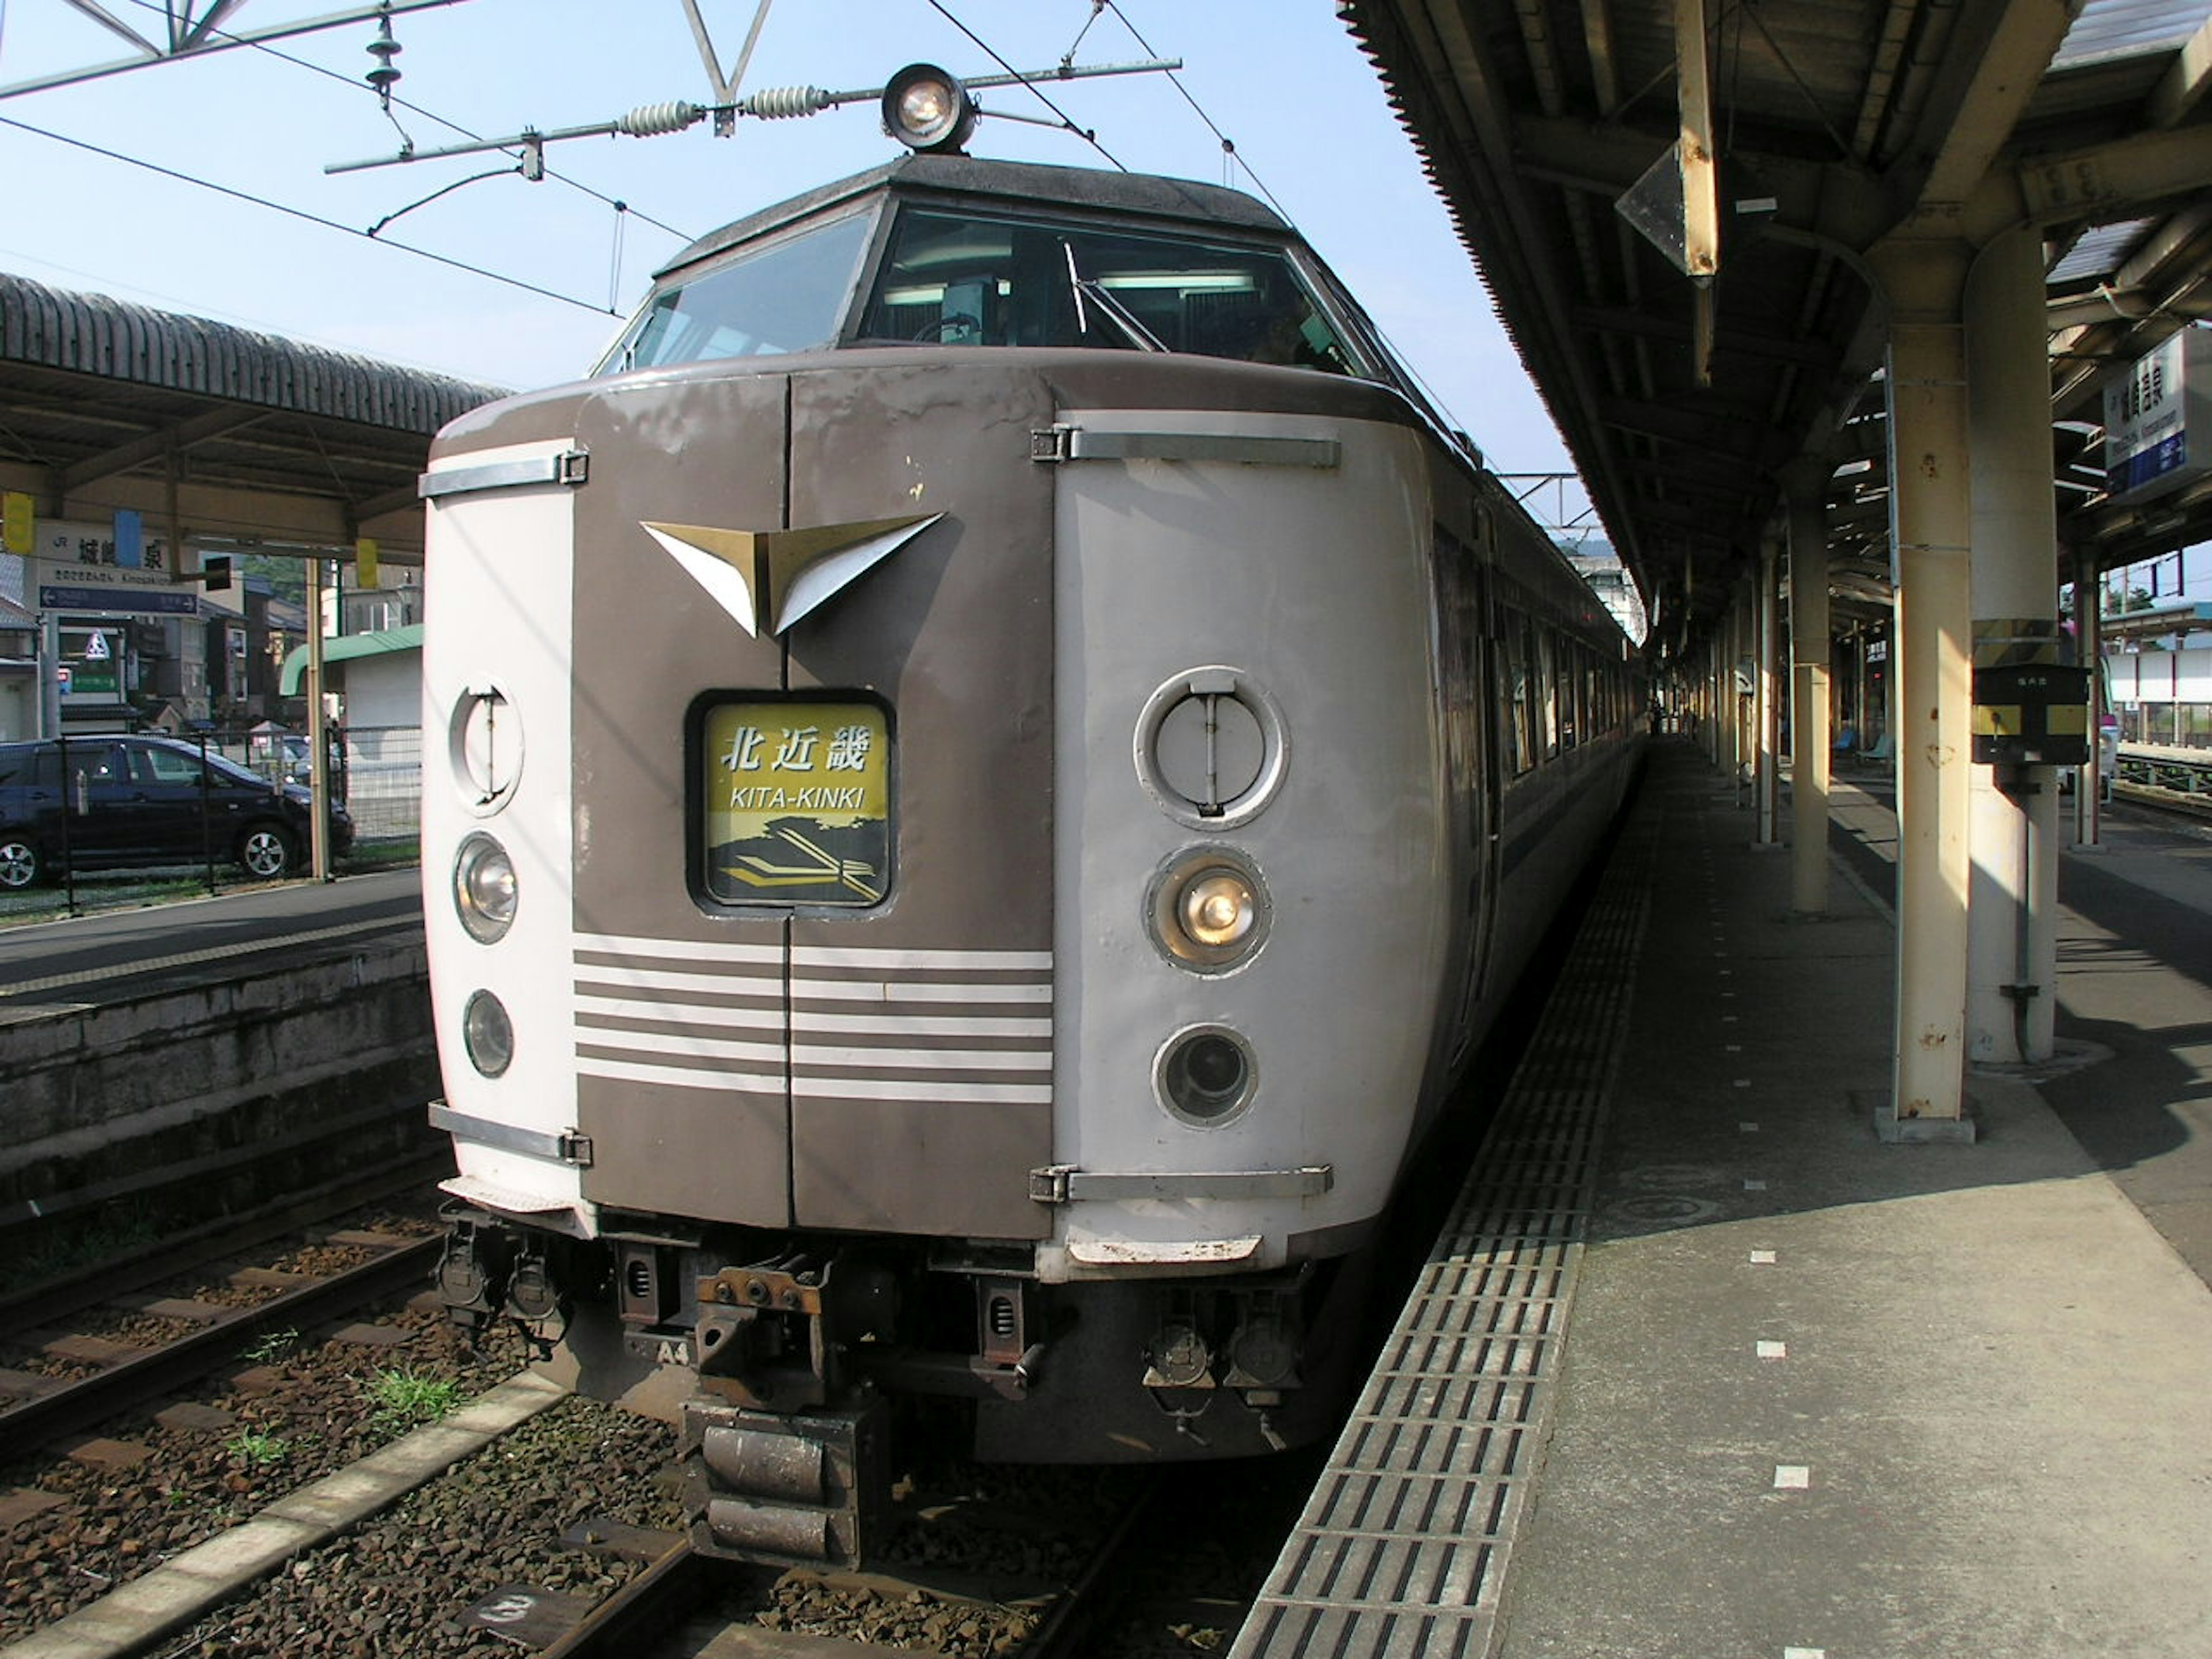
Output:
(1216, 1069)
(1207, 1074)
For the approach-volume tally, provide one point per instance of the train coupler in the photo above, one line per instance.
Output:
(804, 1490)
(776, 1334)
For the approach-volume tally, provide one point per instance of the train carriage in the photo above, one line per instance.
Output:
(994, 762)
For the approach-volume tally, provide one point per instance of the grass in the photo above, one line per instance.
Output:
(271, 1346)
(259, 1450)
(403, 1399)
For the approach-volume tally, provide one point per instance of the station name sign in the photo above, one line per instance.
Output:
(80, 568)
(2158, 419)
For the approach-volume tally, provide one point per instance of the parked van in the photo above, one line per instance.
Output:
(103, 802)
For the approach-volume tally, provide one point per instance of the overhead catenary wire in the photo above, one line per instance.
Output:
(427, 114)
(301, 214)
(1228, 145)
(1229, 149)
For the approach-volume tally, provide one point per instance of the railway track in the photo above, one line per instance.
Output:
(118, 1376)
(669, 1608)
(993, 1562)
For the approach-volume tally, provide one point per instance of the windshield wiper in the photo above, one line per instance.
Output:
(1112, 309)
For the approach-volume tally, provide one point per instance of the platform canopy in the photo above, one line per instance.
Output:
(1697, 330)
(245, 438)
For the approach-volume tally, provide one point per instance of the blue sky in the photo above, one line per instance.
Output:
(1282, 78)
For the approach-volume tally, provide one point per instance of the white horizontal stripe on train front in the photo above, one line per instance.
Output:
(735, 994)
(683, 1076)
(861, 1088)
(919, 1025)
(626, 1040)
(997, 962)
(616, 944)
(926, 1060)
(672, 979)
(875, 990)
(682, 1014)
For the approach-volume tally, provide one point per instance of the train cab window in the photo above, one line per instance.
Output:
(786, 296)
(955, 279)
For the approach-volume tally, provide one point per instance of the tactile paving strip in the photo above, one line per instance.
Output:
(1402, 1549)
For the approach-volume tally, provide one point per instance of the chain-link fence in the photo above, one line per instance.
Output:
(378, 778)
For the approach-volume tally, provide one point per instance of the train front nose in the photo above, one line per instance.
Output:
(808, 800)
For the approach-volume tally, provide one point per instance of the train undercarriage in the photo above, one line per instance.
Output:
(794, 1368)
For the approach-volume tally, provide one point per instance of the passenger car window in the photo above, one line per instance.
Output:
(166, 766)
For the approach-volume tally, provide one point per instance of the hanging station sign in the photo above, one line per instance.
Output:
(2158, 419)
(86, 568)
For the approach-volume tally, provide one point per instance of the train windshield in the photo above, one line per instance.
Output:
(786, 297)
(962, 279)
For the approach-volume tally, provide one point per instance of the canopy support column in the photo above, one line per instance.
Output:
(1931, 658)
(1810, 653)
(2013, 963)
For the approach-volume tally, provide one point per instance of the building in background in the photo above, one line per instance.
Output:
(1602, 570)
(19, 671)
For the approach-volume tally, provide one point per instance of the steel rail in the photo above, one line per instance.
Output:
(641, 1612)
(107, 1393)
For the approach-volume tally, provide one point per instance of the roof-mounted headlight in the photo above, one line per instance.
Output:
(926, 109)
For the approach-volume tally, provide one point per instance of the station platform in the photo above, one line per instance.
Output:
(1701, 1367)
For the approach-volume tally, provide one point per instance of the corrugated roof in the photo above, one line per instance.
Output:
(2109, 29)
(2099, 250)
(94, 334)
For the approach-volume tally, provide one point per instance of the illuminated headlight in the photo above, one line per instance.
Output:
(926, 109)
(488, 1034)
(1208, 910)
(1206, 1074)
(483, 887)
(1217, 909)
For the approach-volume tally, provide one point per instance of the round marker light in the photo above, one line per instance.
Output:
(488, 1034)
(1207, 909)
(926, 109)
(483, 887)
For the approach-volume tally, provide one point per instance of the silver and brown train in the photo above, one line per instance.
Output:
(987, 771)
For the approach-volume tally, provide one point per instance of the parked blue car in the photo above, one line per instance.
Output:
(115, 802)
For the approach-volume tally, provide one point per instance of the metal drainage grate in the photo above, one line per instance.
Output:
(1401, 1550)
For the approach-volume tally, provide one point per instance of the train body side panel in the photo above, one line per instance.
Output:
(679, 1047)
(923, 1035)
(504, 555)
(1312, 583)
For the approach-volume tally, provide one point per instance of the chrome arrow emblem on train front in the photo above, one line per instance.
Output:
(777, 576)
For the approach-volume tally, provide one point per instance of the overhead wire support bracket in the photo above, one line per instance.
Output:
(204, 38)
(773, 103)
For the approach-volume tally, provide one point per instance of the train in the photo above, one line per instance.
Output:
(986, 772)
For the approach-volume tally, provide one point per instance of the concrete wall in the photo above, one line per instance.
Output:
(103, 1100)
